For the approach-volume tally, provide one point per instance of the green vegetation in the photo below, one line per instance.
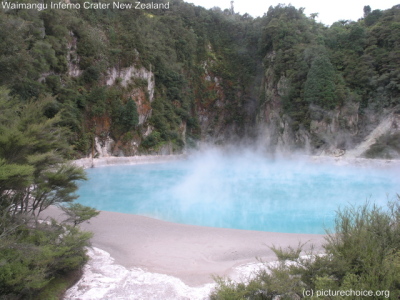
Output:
(33, 255)
(331, 67)
(198, 73)
(69, 54)
(78, 213)
(320, 87)
(363, 253)
(33, 153)
(34, 174)
(57, 287)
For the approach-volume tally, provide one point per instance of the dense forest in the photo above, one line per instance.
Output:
(335, 83)
(142, 78)
(92, 82)
(158, 80)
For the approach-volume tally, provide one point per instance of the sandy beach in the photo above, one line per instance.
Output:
(191, 253)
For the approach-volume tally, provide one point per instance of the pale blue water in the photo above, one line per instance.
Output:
(244, 193)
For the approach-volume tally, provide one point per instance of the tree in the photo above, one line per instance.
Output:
(320, 88)
(130, 116)
(34, 173)
(79, 213)
(367, 10)
(314, 15)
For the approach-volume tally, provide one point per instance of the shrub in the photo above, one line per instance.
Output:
(362, 254)
(289, 253)
(34, 174)
(32, 256)
(151, 140)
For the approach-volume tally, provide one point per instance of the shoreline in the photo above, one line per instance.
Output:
(151, 159)
(88, 162)
(355, 161)
(190, 253)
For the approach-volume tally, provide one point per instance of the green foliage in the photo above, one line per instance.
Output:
(97, 99)
(91, 75)
(366, 247)
(54, 83)
(57, 287)
(127, 116)
(32, 257)
(372, 17)
(166, 121)
(32, 149)
(328, 67)
(277, 282)
(288, 254)
(205, 62)
(152, 140)
(44, 56)
(320, 87)
(34, 175)
(78, 213)
(362, 254)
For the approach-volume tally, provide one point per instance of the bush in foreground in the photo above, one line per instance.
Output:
(34, 174)
(363, 254)
(31, 257)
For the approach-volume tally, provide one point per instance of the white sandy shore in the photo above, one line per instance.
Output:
(125, 160)
(104, 279)
(355, 161)
(190, 253)
(148, 159)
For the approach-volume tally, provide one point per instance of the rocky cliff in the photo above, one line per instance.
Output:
(159, 81)
(324, 90)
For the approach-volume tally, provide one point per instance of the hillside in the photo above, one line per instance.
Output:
(157, 81)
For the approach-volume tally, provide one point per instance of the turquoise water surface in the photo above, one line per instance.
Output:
(252, 193)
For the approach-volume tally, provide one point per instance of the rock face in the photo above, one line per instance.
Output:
(140, 84)
(210, 112)
(346, 130)
(72, 57)
(104, 147)
(228, 115)
(388, 128)
(330, 132)
(340, 131)
(227, 109)
(127, 76)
